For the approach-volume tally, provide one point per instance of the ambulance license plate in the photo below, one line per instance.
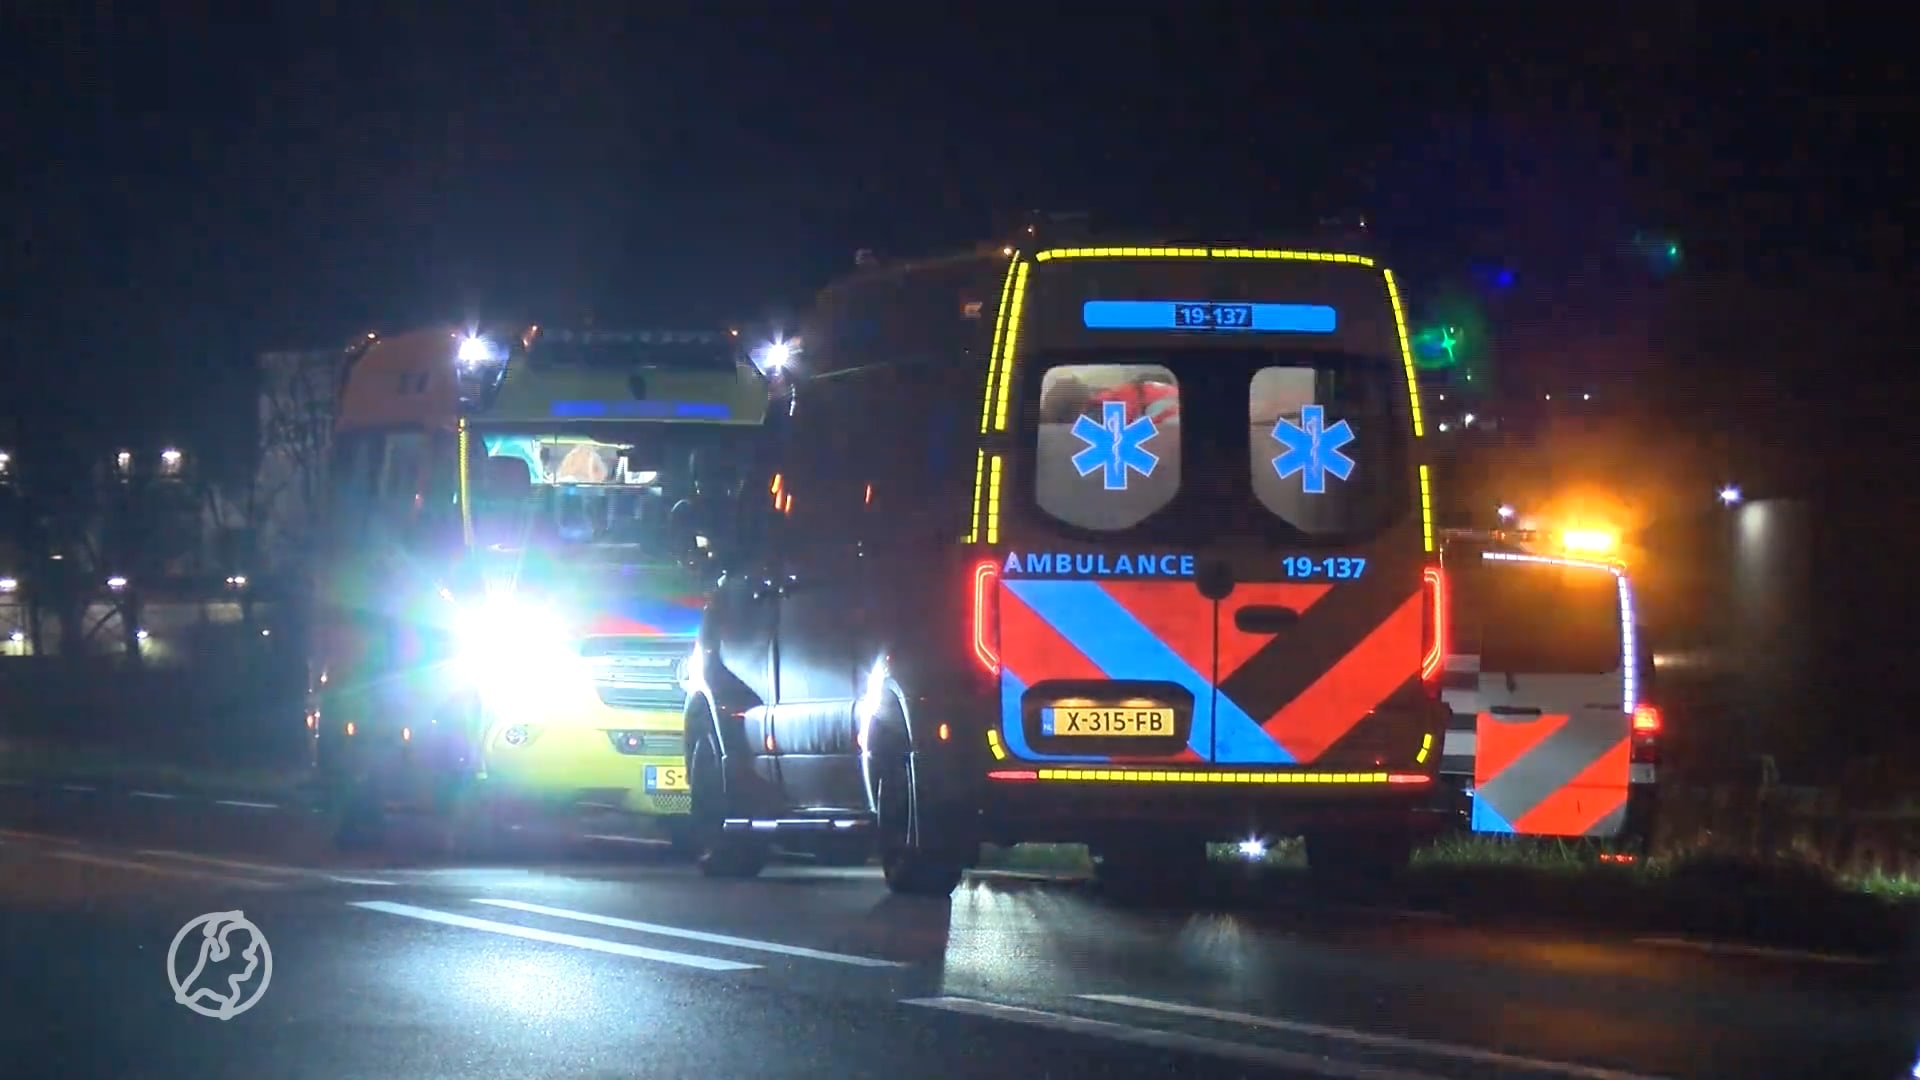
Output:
(1082, 722)
(667, 778)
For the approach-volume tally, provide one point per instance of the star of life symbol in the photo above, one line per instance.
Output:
(1114, 446)
(208, 940)
(1312, 449)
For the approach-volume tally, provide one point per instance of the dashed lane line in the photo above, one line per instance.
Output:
(529, 933)
(750, 944)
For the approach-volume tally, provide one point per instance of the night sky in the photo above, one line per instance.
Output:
(190, 188)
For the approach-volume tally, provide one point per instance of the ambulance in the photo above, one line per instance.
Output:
(514, 568)
(1128, 546)
(1555, 726)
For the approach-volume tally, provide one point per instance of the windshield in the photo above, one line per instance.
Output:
(614, 350)
(634, 495)
(1149, 444)
(1541, 619)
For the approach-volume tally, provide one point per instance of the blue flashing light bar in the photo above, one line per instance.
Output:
(642, 410)
(1189, 315)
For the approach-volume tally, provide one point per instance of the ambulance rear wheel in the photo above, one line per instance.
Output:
(718, 853)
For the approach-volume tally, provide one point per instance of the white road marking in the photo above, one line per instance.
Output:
(528, 933)
(692, 935)
(1370, 1039)
(164, 871)
(258, 868)
(10, 782)
(1762, 952)
(150, 795)
(245, 805)
(614, 838)
(1271, 1056)
(78, 787)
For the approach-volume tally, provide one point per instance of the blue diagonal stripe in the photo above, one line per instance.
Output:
(1239, 740)
(1108, 634)
(1488, 820)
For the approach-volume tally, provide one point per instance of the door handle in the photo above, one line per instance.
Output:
(1513, 710)
(1265, 618)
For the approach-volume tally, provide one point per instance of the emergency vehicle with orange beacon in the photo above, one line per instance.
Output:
(1126, 545)
(1555, 726)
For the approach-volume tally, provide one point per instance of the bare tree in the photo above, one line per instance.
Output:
(298, 394)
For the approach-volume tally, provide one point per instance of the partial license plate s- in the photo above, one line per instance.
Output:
(667, 778)
(1105, 722)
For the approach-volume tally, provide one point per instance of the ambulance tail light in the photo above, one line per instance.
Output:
(1433, 626)
(986, 615)
(1647, 723)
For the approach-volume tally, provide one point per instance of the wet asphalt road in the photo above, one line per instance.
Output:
(584, 957)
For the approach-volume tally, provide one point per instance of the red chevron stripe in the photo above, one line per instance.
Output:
(1366, 676)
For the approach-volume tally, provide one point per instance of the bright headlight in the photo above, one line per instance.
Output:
(479, 350)
(507, 632)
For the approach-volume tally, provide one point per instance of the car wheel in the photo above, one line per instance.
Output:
(909, 871)
(716, 852)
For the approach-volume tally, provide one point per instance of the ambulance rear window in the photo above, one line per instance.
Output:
(1150, 443)
(1545, 620)
(1107, 448)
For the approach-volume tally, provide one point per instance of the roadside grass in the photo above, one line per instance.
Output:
(58, 764)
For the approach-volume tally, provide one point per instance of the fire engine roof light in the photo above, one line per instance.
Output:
(776, 355)
(1729, 495)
